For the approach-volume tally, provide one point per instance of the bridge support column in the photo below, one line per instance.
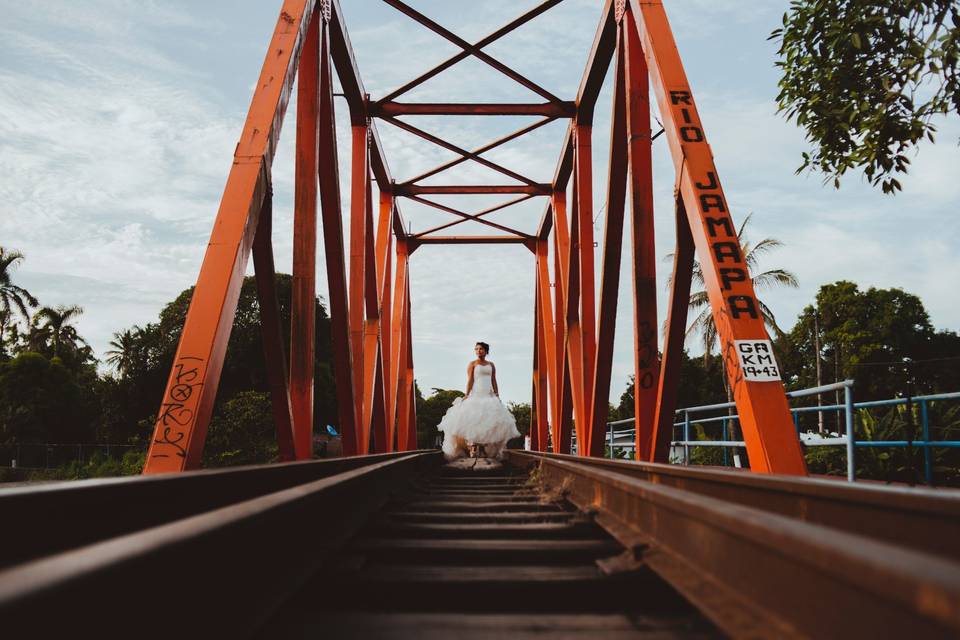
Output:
(644, 267)
(303, 288)
(563, 392)
(271, 333)
(181, 427)
(330, 206)
(599, 376)
(752, 371)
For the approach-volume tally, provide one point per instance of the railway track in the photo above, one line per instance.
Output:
(399, 546)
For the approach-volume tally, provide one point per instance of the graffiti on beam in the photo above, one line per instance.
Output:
(725, 248)
(177, 412)
(732, 364)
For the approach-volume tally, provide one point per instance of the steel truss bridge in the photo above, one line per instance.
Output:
(388, 542)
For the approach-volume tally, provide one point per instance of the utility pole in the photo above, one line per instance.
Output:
(816, 346)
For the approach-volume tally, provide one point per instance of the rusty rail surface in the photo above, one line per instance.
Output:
(804, 559)
(923, 519)
(240, 551)
(242, 541)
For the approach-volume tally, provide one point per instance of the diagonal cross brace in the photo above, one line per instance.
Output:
(470, 49)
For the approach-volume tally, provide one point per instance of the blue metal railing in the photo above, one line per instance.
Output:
(624, 439)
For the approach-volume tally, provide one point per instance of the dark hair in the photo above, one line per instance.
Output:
(485, 346)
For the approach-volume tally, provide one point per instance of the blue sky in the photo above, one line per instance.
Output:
(118, 119)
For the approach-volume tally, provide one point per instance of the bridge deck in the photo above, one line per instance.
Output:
(363, 546)
(478, 555)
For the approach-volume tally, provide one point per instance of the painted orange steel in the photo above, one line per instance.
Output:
(536, 401)
(579, 285)
(374, 424)
(653, 439)
(398, 343)
(546, 345)
(550, 109)
(472, 49)
(467, 189)
(181, 427)
(644, 267)
(384, 295)
(330, 206)
(467, 216)
(599, 375)
(483, 149)
(771, 442)
(416, 242)
(359, 174)
(563, 393)
(371, 311)
(271, 332)
(303, 287)
(475, 217)
(483, 42)
(440, 142)
(407, 405)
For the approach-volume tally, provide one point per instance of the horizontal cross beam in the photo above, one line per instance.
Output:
(566, 109)
(471, 189)
(416, 242)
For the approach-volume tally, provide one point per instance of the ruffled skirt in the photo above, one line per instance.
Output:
(477, 419)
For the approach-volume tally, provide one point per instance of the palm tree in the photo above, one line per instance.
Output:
(55, 323)
(699, 304)
(12, 297)
(703, 323)
(123, 343)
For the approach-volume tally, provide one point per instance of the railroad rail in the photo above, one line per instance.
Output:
(393, 545)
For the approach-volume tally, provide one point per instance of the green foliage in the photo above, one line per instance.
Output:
(242, 432)
(50, 391)
(701, 383)
(865, 335)
(705, 455)
(41, 400)
(521, 414)
(703, 323)
(864, 78)
(14, 300)
(98, 465)
(429, 413)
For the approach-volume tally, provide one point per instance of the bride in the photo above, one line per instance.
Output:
(478, 421)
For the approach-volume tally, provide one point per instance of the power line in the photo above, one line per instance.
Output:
(907, 361)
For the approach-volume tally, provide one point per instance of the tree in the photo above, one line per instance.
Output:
(54, 324)
(41, 400)
(703, 323)
(866, 336)
(697, 386)
(243, 432)
(429, 413)
(13, 298)
(521, 412)
(865, 78)
(144, 355)
(124, 345)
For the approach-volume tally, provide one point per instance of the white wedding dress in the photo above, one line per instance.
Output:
(479, 418)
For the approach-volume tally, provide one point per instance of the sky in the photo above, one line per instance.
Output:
(118, 120)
